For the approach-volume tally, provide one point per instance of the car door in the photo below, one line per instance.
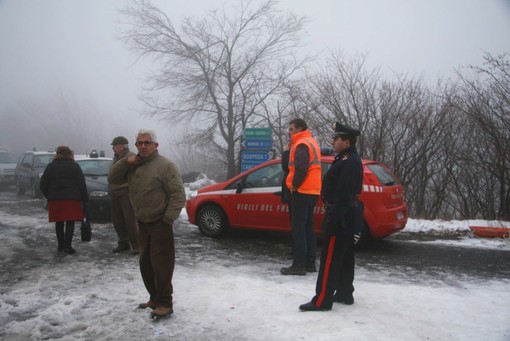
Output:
(257, 201)
(24, 170)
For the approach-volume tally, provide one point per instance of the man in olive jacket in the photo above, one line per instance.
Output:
(122, 212)
(157, 195)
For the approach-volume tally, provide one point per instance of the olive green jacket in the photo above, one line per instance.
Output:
(114, 187)
(155, 187)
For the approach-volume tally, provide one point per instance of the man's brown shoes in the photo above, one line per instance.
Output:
(160, 312)
(151, 304)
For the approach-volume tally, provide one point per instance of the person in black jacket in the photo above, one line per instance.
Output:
(341, 187)
(63, 184)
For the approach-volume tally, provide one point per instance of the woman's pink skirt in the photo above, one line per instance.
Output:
(64, 210)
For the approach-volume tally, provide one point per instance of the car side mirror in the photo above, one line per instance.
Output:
(239, 187)
(26, 164)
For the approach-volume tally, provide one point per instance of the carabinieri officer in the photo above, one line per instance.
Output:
(340, 191)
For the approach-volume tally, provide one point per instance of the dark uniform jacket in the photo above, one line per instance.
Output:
(63, 180)
(341, 187)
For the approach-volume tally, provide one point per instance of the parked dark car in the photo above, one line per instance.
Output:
(8, 162)
(29, 169)
(95, 170)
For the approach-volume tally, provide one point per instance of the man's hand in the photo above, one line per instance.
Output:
(133, 159)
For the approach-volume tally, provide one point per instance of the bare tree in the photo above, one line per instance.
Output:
(403, 125)
(484, 101)
(222, 68)
(343, 90)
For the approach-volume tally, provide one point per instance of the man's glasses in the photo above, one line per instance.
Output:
(141, 143)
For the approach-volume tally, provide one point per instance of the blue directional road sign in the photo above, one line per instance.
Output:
(251, 159)
(246, 166)
(257, 133)
(257, 144)
(255, 157)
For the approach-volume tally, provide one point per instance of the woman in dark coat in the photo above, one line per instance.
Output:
(63, 184)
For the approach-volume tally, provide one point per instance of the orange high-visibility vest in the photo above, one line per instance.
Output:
(312, 183)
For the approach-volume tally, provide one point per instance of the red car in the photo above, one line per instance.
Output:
(252, 200)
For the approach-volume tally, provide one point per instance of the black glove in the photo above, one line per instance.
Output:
(357, 237)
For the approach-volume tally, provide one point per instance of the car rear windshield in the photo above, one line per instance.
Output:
(384, 177)
(8, 158)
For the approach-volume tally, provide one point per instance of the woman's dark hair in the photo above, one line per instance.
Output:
(64, 153)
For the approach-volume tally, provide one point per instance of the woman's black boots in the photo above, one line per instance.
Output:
(68, 240)
(59, 229)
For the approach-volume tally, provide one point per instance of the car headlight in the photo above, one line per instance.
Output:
(98, 194)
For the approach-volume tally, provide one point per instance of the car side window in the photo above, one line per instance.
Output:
(269, 176)
(27, 160)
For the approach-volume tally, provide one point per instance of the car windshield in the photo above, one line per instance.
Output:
(94, 167)
(8, 158)
(41, 161)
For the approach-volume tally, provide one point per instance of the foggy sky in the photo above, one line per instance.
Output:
(61, 46)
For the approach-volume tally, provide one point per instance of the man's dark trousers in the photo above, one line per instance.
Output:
(305, 246)
(157, 260)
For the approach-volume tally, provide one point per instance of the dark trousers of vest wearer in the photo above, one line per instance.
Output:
(123, 219)
(336, 270)
(157, 260)
(305, 246)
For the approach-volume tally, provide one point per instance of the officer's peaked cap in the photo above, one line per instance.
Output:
(343, 129)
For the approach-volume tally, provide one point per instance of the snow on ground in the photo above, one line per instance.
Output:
(459, 228)
(93, 295)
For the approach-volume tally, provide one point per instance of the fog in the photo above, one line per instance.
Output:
(66, 78)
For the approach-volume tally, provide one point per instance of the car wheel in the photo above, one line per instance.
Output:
(20, 190)
(212, 221)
